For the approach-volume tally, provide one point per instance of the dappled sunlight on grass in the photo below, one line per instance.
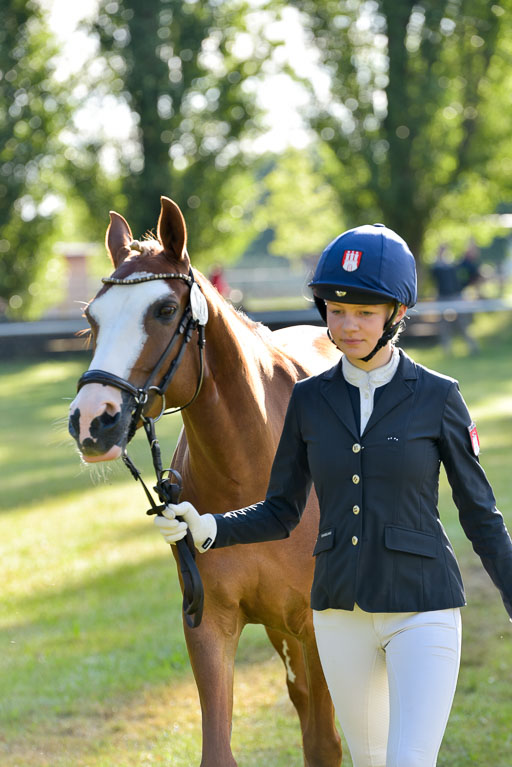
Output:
(487, 406)
(41, 373)
(118, 732)
(78, 535)
(160, 725)
(94, 670)
(39, 458)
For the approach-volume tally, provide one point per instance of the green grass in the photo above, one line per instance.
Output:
(93, 665)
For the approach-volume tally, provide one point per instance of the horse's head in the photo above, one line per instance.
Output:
(141, 321)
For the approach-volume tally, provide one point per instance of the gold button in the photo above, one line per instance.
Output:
(355, 541)
(356, 509)
(355, 479)
(356, 448)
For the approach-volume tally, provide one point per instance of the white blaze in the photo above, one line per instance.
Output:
(120, 314)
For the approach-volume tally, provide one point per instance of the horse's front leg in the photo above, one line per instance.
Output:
(212, 647)
(290, 651)
(309, 694)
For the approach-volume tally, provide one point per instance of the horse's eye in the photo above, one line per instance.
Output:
(165, 311)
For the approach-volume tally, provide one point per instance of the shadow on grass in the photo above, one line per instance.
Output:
(112, 634)
(161, 724)
(99, 673)
(101, 670)
(39, 458)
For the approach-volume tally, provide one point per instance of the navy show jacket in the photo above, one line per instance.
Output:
(381, 543)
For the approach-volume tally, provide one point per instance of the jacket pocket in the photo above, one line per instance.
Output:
(324, 542)
(410, 541)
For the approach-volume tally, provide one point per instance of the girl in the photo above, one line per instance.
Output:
(370, 434)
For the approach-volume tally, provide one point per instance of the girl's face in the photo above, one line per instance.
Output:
(356, 328)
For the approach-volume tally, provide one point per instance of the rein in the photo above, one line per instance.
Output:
(194, 317)
(169, 492)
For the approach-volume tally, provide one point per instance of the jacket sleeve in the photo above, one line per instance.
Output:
(483, 524)
(287, 493)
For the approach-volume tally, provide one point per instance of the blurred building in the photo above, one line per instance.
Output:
(81, 283)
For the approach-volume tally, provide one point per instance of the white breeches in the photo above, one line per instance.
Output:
(392, 678)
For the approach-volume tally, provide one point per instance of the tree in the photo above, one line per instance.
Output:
(414, 120)
(187, 71)
(300, 208)
(32, 112)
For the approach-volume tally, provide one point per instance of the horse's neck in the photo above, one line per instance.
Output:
(233, 427)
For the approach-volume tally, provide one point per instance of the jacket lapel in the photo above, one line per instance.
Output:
(395, 392)
(334, 389)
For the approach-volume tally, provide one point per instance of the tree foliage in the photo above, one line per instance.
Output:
(32, 113)
(415, 119)
(187, 71)
(300, 207)
(414, 130)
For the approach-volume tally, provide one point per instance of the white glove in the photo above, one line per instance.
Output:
(202, 526)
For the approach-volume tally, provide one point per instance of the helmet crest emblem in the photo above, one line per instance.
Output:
(351, 260)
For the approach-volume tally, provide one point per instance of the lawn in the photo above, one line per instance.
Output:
(93, 665)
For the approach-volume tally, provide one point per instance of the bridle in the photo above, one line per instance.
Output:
(194, 317)
(189, 322)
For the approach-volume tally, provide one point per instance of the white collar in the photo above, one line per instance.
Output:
(373, 378)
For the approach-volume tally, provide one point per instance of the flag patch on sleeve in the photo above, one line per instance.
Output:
(473, 435)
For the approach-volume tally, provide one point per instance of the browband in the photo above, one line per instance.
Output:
(134, 280)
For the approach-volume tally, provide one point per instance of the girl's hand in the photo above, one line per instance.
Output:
(202, 526)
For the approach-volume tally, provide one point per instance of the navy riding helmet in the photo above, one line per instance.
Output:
(370, 264)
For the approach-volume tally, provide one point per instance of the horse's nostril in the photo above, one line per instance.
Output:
(74, 424)
(108, 419)
(103, 424)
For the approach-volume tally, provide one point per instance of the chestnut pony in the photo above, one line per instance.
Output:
(224, 456)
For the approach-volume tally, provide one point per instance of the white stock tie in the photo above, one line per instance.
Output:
(367, 382)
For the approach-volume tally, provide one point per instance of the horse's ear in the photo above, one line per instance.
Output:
(172, 230)
(118, 238)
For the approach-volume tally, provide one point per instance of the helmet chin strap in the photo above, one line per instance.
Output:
(390, 332)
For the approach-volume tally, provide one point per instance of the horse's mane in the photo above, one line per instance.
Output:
(222, 306)
(250, 334)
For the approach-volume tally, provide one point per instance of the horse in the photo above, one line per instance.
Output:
(234, 405)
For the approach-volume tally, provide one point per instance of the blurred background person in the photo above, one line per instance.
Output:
(446, 274)
(468, 268)
(218, 280)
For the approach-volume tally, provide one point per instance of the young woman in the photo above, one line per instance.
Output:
(371, 434)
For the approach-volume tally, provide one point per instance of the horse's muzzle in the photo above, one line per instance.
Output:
(107, 435)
